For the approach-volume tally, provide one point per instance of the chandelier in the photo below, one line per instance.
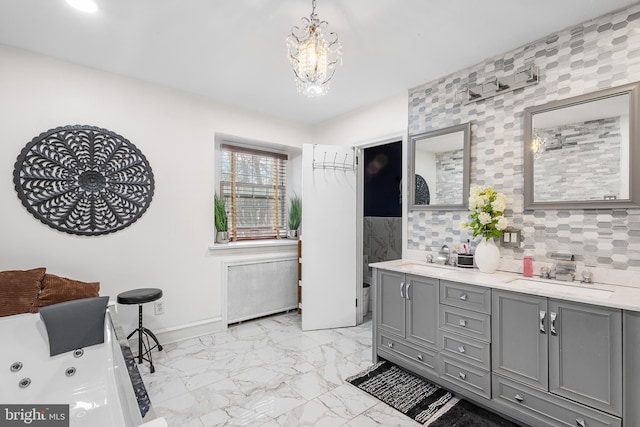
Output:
(314, 58)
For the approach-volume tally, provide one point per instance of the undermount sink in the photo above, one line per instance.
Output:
(561, 289)
(435, 270)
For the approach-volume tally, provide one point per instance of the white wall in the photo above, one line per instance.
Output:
(168, 247)
(375, 123)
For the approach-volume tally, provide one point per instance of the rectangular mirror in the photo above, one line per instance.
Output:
(582, 152)
(439, 166)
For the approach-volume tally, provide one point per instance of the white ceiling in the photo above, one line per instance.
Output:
(234, 51)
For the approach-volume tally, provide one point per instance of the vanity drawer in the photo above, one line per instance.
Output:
(470, 297)
(465, 322)
(466, 349)
(422, 357)
(549, 408)
(465, 375)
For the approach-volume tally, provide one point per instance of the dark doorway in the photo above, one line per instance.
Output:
(382, 175)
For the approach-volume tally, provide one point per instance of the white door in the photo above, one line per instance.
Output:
(329, 237)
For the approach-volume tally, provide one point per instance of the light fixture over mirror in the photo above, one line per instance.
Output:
(582, 152)
(313, 57)
(439, 168)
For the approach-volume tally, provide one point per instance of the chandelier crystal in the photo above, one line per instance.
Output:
(313, 57)
(537, 145)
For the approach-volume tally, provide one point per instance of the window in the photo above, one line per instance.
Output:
(253, 186)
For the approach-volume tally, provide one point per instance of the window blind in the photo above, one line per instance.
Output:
(253, 186)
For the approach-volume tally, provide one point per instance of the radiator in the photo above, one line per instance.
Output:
(259, 288)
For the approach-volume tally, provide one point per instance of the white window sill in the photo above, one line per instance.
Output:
(253, 244)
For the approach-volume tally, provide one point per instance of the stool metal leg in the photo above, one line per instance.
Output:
(153, 336)
(140, 332)
(144, 346)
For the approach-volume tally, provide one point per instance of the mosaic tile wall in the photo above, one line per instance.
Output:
(597, 144)
(598, 54)
(449, 177)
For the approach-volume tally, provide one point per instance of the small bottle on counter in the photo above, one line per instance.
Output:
(527, 265)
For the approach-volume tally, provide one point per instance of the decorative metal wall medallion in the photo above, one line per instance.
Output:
(83, 180)
(422, 191)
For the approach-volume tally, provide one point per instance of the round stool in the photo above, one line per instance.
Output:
(141, 296)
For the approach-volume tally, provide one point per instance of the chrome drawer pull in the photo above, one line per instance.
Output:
(420, 357)
(462, 322)
(463, 297)
(519, 398)
(462, 375)
(580, 422)
(543, 314)
(406, 292)
(552, 327)
(461, 349)
(401, 289)
(390, 345)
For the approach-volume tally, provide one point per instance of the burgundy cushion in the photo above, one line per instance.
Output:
(19, 290)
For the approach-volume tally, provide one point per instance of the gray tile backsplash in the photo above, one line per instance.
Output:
(598, 54)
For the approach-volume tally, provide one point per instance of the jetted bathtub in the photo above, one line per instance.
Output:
(94, 381)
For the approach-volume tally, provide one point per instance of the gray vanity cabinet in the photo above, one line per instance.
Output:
(391, 310)
(520, 344)
(569, 349)
(585, 354)
(407, 318)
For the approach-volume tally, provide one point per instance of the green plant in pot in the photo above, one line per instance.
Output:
(220, 217)
(295, 216)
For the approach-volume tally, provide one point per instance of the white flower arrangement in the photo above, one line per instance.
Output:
(487, 212)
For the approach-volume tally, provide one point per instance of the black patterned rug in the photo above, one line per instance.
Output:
(421, 400)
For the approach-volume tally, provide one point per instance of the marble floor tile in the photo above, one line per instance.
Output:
(267, 373)
(311, 414)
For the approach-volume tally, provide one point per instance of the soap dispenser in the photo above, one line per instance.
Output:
(527, 265)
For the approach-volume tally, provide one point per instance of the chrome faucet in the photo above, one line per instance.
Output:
(565, 266)
(443, 255)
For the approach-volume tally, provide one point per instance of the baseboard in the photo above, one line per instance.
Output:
(185, 332)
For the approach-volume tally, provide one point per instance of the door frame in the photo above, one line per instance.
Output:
(363, 145)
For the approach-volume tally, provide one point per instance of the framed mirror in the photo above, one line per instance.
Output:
(583, 152)
(439, 167)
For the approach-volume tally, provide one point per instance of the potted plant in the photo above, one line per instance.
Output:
(220, 217)
(295, 215)
(487, 220)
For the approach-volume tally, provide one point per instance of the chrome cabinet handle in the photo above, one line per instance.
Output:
(406, 292)
(401, 289)
(552, 327)
(461, 349)
(462, 322)
(580, 422)
(463, 297)
(519, 398)
(543, 314)
(390, 345)
(420, 357)
(462, 375)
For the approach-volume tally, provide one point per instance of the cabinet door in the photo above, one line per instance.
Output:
(391, 302)
(422, 310)
(585, 354)
(519, 337)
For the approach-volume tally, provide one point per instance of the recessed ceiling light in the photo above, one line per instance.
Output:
(87, 6)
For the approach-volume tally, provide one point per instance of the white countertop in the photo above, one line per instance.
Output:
(615, 296)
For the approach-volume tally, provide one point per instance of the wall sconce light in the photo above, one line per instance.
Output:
(492, 86)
